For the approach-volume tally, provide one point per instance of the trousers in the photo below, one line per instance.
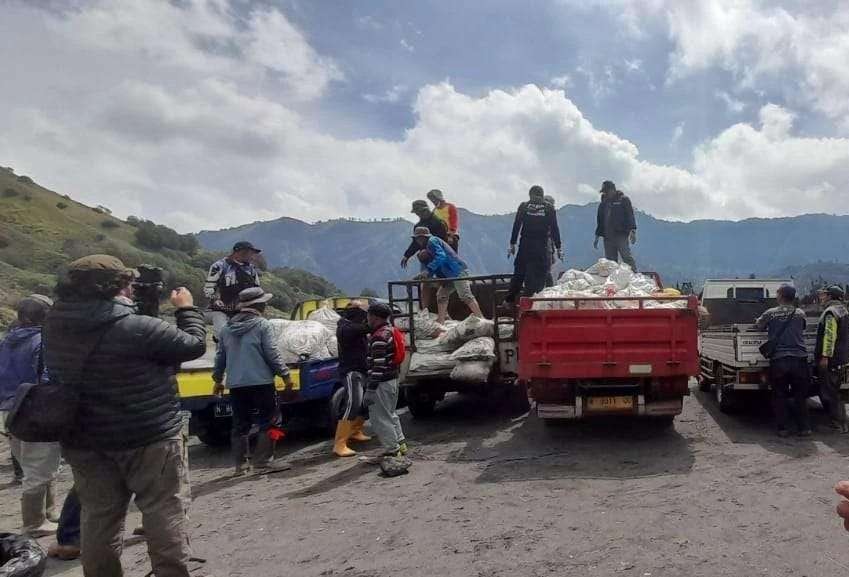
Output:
(830, 394)
(354, 391)
(158, 475)
(530, 269)
(381, 401)
(619, 246)
(790, 379)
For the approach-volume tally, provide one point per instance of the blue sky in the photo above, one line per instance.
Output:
(210, 113)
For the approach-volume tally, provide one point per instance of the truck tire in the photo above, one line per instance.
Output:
(214, 432)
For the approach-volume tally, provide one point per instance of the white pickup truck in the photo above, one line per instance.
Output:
(730, 360)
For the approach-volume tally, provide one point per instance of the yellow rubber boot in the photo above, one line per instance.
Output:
(358, 434)
(343, 433)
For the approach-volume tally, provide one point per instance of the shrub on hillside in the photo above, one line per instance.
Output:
(61, 205)
(133, 221)
(108, 223)
(99, 237)
(157, 237)
(10, 193)
(25, 179)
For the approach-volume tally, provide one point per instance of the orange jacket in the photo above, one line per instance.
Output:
(447, 213)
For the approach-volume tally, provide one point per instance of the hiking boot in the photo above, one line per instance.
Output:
(63, 552)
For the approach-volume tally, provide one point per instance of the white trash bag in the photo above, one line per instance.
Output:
(431, 363)
(603, 267)
(468, 329)
(479, 349)
(472, 371)
(326, 316)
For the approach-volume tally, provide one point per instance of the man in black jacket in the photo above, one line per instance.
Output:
(428, 220)
(615, 223)
(128, 440)
(537, 222)
(352, 334)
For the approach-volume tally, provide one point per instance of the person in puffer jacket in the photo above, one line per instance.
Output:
(248, 354)
(128, 436)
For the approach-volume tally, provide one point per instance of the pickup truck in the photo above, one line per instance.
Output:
(579, 362)
(317, 399)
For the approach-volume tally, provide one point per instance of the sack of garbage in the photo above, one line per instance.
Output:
(505, 328)
(603, 267)
(472, 371)
(326, 316)
(426, 325)
(431, 363)
(466, 330)
(622, 277)
(479, 349)
(299, 340)
(21, 556)
(433, 346)
(333, 347)
(395, 466)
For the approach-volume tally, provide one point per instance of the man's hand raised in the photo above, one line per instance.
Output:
(181, 298)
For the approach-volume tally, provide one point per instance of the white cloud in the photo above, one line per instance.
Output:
(677, 134)
(217, 136)
(391, 96)
(564, 81)
(407, 46)
(734, 105)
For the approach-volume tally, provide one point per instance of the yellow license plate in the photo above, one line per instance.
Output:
(602, 404)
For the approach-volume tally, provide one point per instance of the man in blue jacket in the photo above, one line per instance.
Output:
(441, 261)
(249, 355)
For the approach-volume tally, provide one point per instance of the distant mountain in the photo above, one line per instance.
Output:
(41, 232)
(356, 255)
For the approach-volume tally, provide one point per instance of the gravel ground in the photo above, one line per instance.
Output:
(491, 495)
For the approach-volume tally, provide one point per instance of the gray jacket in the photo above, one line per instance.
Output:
(792, 340)
(247, 353)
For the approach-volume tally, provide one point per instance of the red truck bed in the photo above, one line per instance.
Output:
(645, 354)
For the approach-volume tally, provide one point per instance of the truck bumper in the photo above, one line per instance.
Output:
(668, 407)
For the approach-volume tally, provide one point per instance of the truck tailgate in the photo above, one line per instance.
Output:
(608, 343)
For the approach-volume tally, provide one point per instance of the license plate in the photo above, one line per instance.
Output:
(223, 409)
(603, 404)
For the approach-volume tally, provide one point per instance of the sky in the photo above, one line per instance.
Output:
(206, 114)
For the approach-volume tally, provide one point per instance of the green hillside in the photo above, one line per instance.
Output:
(41, 231)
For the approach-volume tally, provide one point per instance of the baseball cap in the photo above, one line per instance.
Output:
(436, 195)
(421, 231)
(380, 310)
(608, 185)
(101, 263)
(834, 292)
(244, 245)
(536, 190)
(419, 205)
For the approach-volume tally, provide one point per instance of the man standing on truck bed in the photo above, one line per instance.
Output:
(248, 354)
(788, 364)
(832, 353)
(226, 279)
(537, 222)
(447, 213)
(429, 220)
(616, 224)
(352, 334)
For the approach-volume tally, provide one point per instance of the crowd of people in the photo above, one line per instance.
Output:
(129, 439)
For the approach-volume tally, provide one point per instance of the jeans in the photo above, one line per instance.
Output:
(158, 475)
(261, 399)
(790, 379)
(69, 521)
(219, 321)
(619, 245)
(382, 402)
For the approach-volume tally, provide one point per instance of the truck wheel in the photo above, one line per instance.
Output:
(421, 406)
(214, 432)
(725, 399)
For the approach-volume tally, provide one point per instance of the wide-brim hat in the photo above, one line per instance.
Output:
(253, 296)
(421, 231)
(419, 205)
(102, 264)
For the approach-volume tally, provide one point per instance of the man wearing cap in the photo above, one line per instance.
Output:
(832, 353)
(615, 223)
(352, 335)
(789, 376)
(22, 361)
(248, 355)
(447, 213)
(226, 279)
(537, 223)
(430, 221)
(381, 396)
(441, 261)
(128, 441)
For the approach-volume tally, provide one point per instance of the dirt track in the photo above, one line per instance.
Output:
(490, 495)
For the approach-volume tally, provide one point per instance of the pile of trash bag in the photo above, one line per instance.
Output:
(21, 556)
(465, 349)
(304, 340)
(602, 282)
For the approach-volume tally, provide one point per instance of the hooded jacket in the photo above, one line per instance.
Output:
(247, 353)
(123, 367)
(20, 362)
(352, 334)
(436, 227)
(620, 219)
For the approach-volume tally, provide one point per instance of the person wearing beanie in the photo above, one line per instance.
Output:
(536, 221)
(789, 377)
(615, 223)
(832, 353)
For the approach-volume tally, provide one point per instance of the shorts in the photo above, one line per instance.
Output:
(463, 288)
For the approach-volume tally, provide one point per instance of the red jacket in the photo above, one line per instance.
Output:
(447, 213)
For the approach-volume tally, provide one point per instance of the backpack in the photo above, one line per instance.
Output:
(400, 346)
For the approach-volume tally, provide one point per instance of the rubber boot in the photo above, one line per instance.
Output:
(35, 524)
(239, 445)
(263, 452)
(343, 433)
(50, 503)
(63, 552)
(357, 427)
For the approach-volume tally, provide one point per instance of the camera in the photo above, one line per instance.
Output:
(147, 289)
